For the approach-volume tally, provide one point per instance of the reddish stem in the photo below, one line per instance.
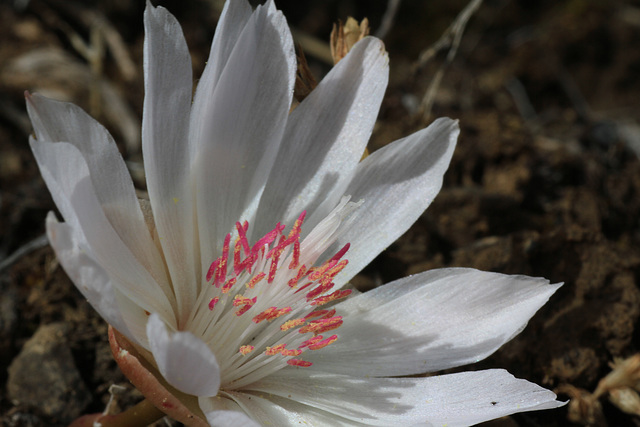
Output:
(144, 413)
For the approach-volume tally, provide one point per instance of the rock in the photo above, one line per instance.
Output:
(21, 419)
(8, 321)
(8, 312)
(44, 375)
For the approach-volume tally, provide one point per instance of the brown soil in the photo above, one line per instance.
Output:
(545, 180)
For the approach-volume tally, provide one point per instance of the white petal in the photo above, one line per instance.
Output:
(67, 177)
(167, 153)
(88, 276)
(325, 138)
(230, 419)
(239, 132)
(184, 361)
(397, 183)
(452, 400)
(62, 174)
(56, 121)
(431, 321)
(274, 410)
(233, 19)
(223, 412)
(134, 316)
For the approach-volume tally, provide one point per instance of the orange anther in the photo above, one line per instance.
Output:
(246, 349)
(311, 341)
(291, 324)
(292, 282)
(322, 325)
(227, 286)
(255, 279)
(272, 351)
(331, 297)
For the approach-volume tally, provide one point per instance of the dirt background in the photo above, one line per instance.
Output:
(545, 180)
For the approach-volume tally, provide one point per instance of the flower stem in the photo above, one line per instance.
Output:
(144, 413)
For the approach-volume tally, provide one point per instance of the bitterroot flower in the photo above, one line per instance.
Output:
(226, 289)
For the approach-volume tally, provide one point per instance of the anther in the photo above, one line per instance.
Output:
(213, 302)
(246, 349)
(323, 343)
(322, 325)
(339, 294)
(227, 286)
(272, 351)
(254, 280)
(299, 363)
(289, 324)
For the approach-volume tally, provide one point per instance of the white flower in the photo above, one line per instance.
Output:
(219, 299)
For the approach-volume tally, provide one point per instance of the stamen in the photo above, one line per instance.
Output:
(333, 272)
(323, 314)
(339, 294)
(237, 264)
(254, 281)
(246, 349)
(311, 341)
(297, 226)
(268, 238)
(294, 291)
(292, 282)
(213, 302)
(340, 253)
(242, 236)
(227, 286)
(273, 268)
(212, 269)
(306, 285)
(295, 259)
(271, 313)
(319, 290)
(317, 272)
(239, 300)
(322, 325)
(246, 304)
(242, 310)
(221, 273)
(292, 324)
(272, 351)
(323, 343)
(299, 363)
(293, 236)
(247, 264)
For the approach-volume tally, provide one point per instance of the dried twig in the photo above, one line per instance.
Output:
(27, 248)
(450, 40)
(105, 34)
(56, 73)
(572, 90)
(523, 104)
(388, 18)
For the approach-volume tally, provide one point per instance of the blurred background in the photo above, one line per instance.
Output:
(545, 180)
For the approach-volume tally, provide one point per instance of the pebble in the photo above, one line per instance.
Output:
(43, 375)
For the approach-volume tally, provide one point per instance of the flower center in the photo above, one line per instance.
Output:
(266, 300)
